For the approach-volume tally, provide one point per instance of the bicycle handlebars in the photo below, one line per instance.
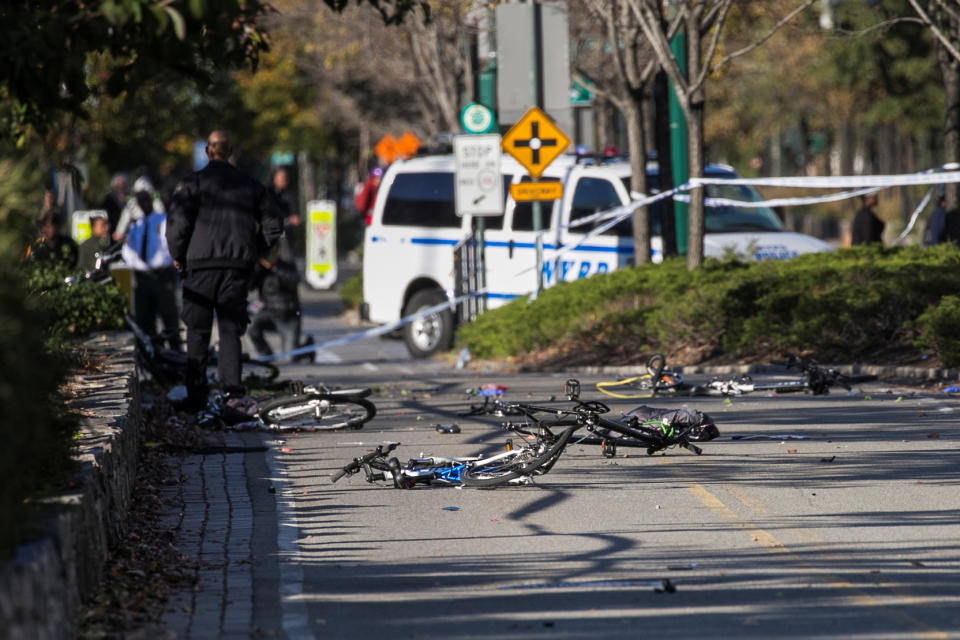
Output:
(358, 463)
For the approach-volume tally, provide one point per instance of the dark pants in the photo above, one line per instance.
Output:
(287, 324)
(205, 292)
(155, 294)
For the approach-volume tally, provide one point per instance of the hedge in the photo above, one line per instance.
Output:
(846, 304)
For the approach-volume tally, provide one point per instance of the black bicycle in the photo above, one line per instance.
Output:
(813, 378)
(169, 366)
(546, 431)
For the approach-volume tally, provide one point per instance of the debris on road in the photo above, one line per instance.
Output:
(447, 428)
(487, 390)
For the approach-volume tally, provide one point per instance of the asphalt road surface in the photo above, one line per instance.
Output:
(810, 516)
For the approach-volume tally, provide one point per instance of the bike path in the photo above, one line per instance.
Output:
(845, 531)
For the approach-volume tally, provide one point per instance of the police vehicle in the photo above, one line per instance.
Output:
(408, 254)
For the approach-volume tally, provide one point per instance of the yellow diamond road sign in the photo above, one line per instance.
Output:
(535, 141)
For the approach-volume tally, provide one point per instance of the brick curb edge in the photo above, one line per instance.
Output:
(44, 584)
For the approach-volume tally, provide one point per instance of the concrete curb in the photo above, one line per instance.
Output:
(43, 586)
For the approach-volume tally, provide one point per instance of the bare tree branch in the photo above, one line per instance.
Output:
(724, 9)
(736, 54)
(944, 41)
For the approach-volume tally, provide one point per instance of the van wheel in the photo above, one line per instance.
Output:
(429, 334)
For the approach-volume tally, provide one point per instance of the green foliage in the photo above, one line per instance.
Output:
(940, 330)
(848, 303)
(52, 39)
(76, 310)
(351, 291)
(36, 429)
(49, 75)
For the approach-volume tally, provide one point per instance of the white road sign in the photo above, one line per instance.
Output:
(478, 183)
(321, 244)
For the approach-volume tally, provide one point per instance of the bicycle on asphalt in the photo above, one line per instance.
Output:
(317, 407)
(546, 432)
(813, 378)
(657, 380)
(169, 366)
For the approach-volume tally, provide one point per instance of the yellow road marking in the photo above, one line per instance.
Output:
(771, 543)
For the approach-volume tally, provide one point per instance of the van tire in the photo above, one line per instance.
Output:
(430, 334)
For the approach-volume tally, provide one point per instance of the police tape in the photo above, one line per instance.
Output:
(916, 214)
(780, 202)
(373, 332)
(607, 219)
(862, 185)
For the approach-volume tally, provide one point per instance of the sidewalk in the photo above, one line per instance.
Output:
(227, 521)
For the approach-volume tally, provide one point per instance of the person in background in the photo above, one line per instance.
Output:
(275, 279)
(220, 222)
(284, 196)
(951, 226)
(937, 226)
(155, 279)
(115, 201)
(51, 246)
(134, 210)
(98, 241)
(286, 203)
(867, 227)
(366, 196)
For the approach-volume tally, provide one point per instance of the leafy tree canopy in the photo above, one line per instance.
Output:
(46, 44)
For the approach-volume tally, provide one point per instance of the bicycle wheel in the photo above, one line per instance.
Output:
(316, 411)
(481, 475)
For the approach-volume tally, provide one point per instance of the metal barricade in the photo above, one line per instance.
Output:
(469, 277)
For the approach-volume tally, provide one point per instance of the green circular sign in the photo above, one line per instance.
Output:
(476, 118)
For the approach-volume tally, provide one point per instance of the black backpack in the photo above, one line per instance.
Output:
(702, 425)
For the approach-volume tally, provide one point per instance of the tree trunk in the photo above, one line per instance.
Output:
(694, 118)
(668, 222)
(695, 213)
(950, 70)
(633, 113)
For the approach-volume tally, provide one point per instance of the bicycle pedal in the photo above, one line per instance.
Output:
(608, 448)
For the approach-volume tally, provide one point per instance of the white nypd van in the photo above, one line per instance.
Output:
(408, 262)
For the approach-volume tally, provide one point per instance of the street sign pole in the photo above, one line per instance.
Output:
(535, 141)
(536, 43)
(478, 184)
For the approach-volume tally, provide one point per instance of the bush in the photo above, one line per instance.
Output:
(36, 428)
(351, 292)
(940, 330)
(76, 311)
(847, 303)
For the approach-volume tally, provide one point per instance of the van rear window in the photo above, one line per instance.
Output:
(421, 200)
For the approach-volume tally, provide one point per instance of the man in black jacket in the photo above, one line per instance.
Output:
(867, 227)
(219, 223)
